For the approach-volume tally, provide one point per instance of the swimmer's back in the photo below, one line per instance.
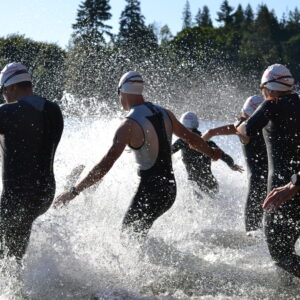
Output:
(30, 131)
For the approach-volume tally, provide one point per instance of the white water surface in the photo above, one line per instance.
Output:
(197, 250)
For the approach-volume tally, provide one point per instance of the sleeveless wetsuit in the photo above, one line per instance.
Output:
(157, 189)
(280, 119)
(255, 153)
(198, 165)
(30, 130)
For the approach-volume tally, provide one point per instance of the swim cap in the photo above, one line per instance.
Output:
(277, 78)
(14, 73)
(251, 104)
(189, 120)
(131, 83)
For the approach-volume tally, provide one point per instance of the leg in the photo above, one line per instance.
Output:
(153, 198)
(257, 190)
(208, 185)
(282, 235)
(17, 218)
(253, 207)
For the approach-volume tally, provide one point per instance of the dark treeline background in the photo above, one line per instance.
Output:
(203, 68)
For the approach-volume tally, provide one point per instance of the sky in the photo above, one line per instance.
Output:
(51, 20)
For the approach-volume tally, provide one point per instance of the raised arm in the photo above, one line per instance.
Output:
(194, 140)
(222, 130)
(121, 139)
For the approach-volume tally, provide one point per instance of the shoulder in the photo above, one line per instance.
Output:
(9, 107)
(128, 125)
(52, 104)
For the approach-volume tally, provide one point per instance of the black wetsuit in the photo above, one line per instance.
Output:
(30, 130)
(157, 189)
(255, 153)
(281, 122)
(198, 165)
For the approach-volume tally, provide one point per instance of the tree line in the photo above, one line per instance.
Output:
(202, 65)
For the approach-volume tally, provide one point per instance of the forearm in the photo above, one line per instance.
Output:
(223, 130)
(197, 143)
(227, 159)
(96, 174)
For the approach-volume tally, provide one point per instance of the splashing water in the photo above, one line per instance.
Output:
(197, 250)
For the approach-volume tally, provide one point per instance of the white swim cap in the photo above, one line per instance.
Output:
(131, 83)
(277, 78)
(14, 73)
(189, 120)
(251, 104)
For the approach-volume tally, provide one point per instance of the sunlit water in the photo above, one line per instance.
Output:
(197, 250)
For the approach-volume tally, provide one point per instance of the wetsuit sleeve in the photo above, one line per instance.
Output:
(225, 157)
(259, 119)
(3, 121)
(178, 145)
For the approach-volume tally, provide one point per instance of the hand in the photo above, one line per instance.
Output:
(63, 199)
(207, 135)
(279, 196)
(237, 168)
(217, 153)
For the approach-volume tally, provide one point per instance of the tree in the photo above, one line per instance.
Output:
(91, 16)
(165, 35)
(44, 61)
(203, 17)
(131, 21)
(133, 31)
(225, 13)
(293, 22)
(198, 18)
(187, 15)
(249, 16)
(238, 16)
(291, 50)
(261, 44)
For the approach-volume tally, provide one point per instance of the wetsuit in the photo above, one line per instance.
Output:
(280, 120)
(157, 189)
(198, 165)
(255, 153)
(30, 130)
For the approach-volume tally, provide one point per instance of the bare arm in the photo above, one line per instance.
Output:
(194, 140)
(222, 130)
(121, 139)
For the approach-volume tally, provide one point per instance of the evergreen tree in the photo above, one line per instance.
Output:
(203, 17)
(133, 31)
(293, 23)
(225, 13)
(198, 18)
(238, 16)
(165, 35)
(91, 16)
(261, 44)
(187, 15)
(249, 16)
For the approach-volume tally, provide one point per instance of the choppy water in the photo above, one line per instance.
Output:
(197, 250)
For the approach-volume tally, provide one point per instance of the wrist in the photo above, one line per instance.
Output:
(73, 190)
(212, 153)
